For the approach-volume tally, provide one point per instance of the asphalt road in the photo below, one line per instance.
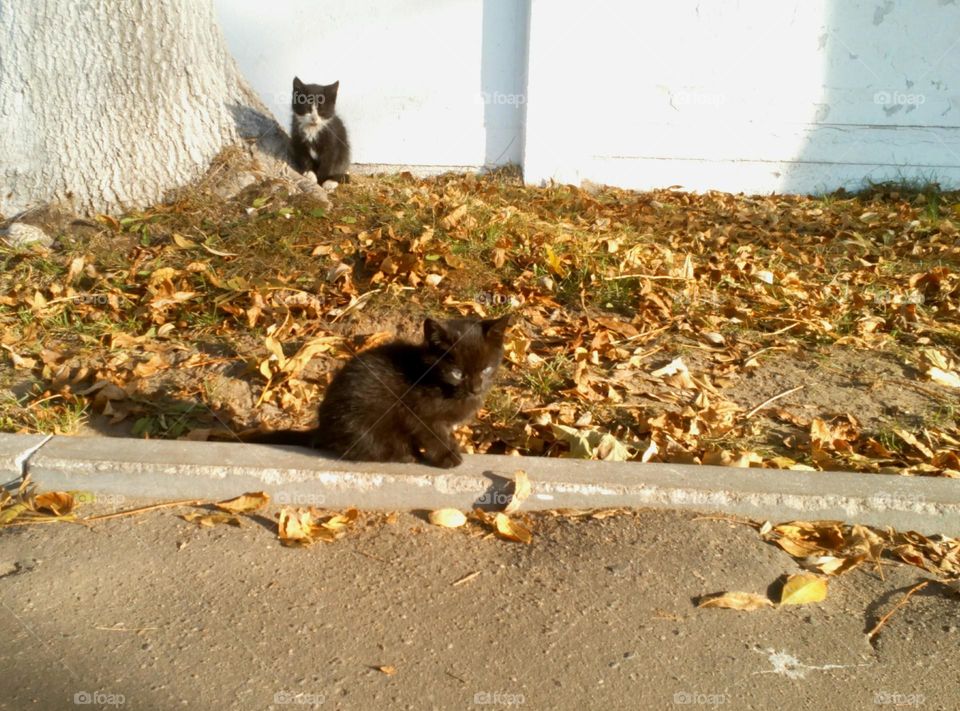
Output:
(153, 612)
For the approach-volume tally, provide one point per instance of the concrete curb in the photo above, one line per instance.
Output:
(214, 470)
(15, 450)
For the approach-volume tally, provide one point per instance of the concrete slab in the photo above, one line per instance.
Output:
(212, 470)
(14, 451)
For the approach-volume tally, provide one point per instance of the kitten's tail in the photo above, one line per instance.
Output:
(299, 438)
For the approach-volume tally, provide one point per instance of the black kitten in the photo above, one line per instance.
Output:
(318, 137)
(399, 402)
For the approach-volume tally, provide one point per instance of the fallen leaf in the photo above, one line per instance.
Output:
(10, 513)
(447, 518)
(339, 522)
(804, 588)
(59, 503)
(512, 530)
(210, 520)
(743, 601)
(295, 527)
(245, 503)
(521, 490)
(944, 377)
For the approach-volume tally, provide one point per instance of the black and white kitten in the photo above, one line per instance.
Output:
(400, 402)
(318, 137)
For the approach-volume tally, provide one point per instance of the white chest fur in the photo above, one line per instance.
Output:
(311, 125)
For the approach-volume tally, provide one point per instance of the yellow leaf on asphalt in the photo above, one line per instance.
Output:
(743, 601)
(512, 530)
(59, 503)
(388, 670)
(210, 520)
(804, 588)
(447, 518)
(341, 521)
(10, 513)
(245, 503)
(295, 527)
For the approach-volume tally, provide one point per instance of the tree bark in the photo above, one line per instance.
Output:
(107, 105)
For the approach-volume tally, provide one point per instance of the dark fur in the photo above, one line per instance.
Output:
(331, 145)
(399, 402)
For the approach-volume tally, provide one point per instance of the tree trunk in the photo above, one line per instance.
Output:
(108, 105)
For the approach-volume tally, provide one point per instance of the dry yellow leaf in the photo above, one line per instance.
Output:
(10, 513)
(804, 588)
(743, 601)
(341, 521)
(388, 670)
(448, 518)
(210, 520)
(521, 490)
(512, 530)
(295, 526)
(59, 503)
(76, 267)
(251, 501)
(944, 377)
(182, 242)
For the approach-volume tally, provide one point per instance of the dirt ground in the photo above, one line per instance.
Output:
(780, 331)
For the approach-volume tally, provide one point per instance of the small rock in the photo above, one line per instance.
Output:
(21, 235)
(619, 569)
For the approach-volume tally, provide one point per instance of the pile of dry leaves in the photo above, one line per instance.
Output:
(785, 332)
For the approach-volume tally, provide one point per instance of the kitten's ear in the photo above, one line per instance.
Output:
(495, 328)
(333, 88)
(434, 334)
(297, 84)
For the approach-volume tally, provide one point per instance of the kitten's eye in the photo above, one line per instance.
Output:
(456, 374)
(488, 370)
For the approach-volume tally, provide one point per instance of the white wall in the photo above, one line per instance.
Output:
(747, 95)
(739, 95)
(413, 73)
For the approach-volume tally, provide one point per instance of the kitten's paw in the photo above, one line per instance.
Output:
(330, 185)
(447, 459)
